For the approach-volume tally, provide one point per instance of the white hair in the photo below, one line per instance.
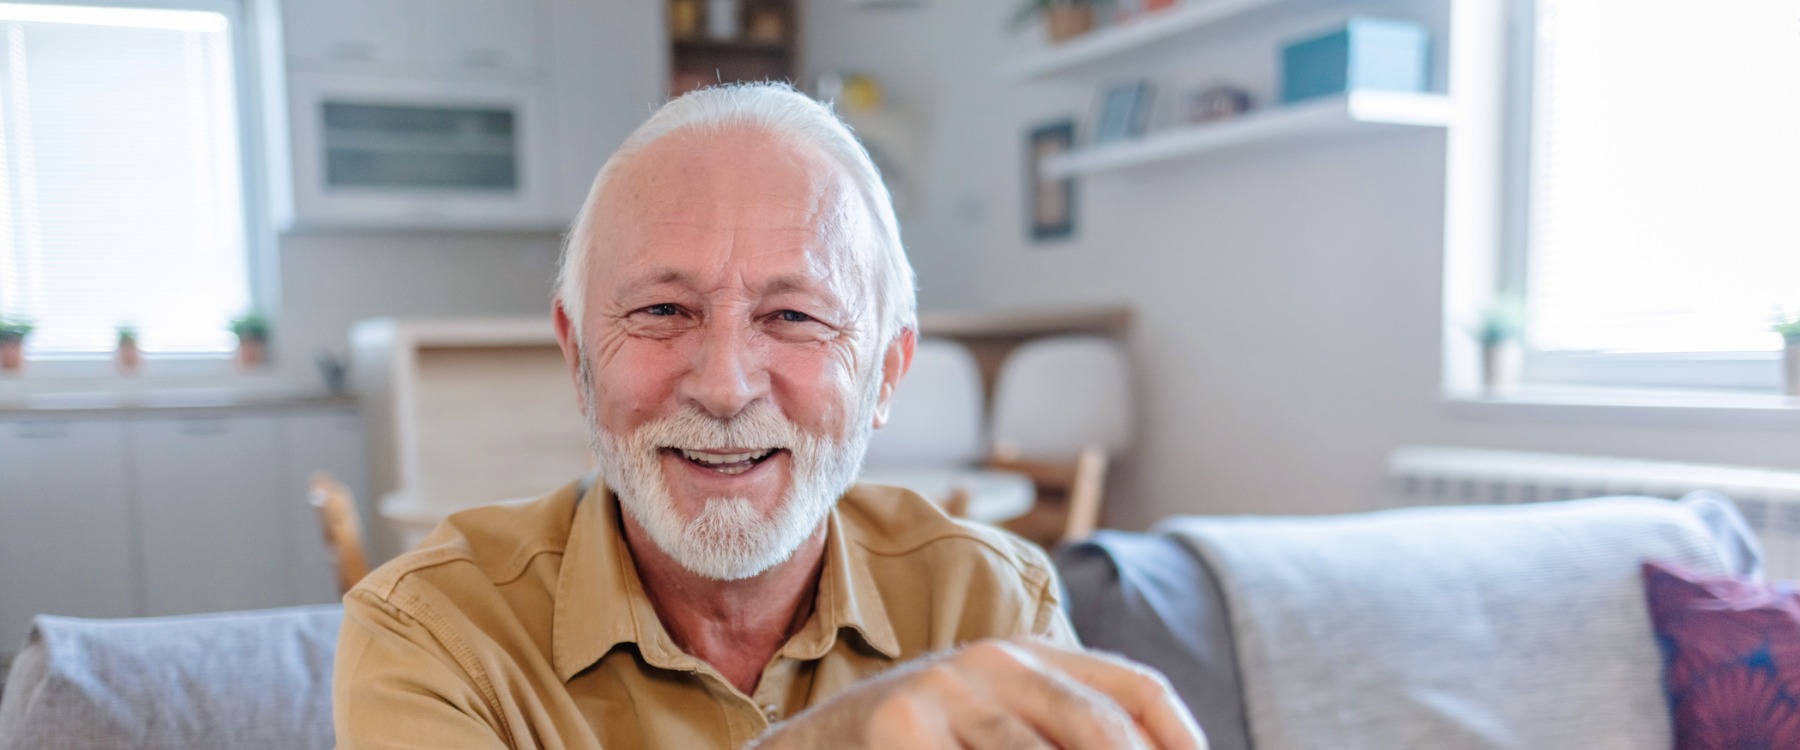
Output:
(800, 122)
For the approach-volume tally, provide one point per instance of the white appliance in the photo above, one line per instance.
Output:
(421, 114)
(416, 152)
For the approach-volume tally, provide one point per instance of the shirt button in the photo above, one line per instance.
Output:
(771, 713)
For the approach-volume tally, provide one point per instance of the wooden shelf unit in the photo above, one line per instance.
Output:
(756, 53)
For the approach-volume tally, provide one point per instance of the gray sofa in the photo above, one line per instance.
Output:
(1518, 627)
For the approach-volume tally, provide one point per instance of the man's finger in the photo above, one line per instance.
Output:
(1061, 709)
(985, 726)
(1141, 692)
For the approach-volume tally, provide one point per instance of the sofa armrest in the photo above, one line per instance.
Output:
(236, 679)
(1149, 598)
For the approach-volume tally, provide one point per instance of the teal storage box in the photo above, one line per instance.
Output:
(1365, 54)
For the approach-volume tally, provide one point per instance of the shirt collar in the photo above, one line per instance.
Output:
(600, 601)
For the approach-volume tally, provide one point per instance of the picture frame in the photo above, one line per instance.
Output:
(1123, 112)
(1050, 202)
(1217, 102)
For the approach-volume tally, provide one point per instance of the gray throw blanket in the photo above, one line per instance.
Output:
(1517, 627)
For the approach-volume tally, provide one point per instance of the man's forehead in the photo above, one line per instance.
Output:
(762, 192)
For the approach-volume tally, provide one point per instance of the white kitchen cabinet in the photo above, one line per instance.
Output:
(450, 114)
(407, 114)
(414, 37)
(124, 511)
(67, 537)
(329, 441)
(476, 35)
(215, 536)
(348, 34)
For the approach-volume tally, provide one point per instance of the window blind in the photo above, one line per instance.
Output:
(1664, 174)
(122, 200)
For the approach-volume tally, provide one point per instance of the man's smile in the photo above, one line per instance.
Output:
(731, 461)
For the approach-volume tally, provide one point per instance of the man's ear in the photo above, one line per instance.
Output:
(894, 364)
(570, 341)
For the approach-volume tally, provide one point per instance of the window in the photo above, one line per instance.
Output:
(1661, 228)
(122, 198)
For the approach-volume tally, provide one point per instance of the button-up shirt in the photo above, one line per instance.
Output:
(525, 626)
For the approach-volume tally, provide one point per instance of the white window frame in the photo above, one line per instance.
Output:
(259, 235)
(1753, 371)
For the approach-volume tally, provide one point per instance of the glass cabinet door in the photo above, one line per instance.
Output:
(454, 148)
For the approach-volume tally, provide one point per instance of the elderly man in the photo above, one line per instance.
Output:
(736, 311)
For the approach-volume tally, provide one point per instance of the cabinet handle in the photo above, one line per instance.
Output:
(43, 430)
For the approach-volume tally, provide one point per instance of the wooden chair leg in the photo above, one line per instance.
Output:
(1084, 494)
(343, 530)
(957, 504)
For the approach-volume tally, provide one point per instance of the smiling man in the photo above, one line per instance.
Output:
(736, 311)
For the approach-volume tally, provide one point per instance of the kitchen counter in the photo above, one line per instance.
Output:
(78, 403)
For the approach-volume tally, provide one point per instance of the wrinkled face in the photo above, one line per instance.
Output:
(727, 356)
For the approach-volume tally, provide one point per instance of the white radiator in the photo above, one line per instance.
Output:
(1768, 498)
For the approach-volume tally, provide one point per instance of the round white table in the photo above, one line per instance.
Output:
(994, 496)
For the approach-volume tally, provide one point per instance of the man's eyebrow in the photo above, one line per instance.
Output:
(664, 276)
(792, 283)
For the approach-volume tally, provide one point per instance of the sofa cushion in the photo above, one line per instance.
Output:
(238, 679)
(1148, 598)
(1731, 657)
(1503, 627)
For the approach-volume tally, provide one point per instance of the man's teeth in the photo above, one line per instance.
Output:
(724, 459)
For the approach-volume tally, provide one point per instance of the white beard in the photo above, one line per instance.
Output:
(730, 539)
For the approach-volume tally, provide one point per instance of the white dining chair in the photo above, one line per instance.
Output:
(935, 444)
(1063, 408)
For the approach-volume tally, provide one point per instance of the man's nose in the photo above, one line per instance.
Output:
(728, 371)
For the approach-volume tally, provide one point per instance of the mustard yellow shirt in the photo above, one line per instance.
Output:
(527, 626)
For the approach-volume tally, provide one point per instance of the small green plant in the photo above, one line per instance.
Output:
(1502, 321)
(1788, 326)
(127, 333)
(1033, 8)
(251, 326)
(14, 329)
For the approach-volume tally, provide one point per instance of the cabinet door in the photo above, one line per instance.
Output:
(348, 34)
(214, 533)
(475, 35)
(66, 541)
(329, 441)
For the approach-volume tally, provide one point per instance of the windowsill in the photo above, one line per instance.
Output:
(1618, 406)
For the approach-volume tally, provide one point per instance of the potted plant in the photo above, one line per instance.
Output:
(1064, 19)
(1789, 328)
(12, 343)
(126, 355)
(1501, 325)
(252, 331)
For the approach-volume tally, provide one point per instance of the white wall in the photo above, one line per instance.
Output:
(1289, 300)
(330, 280)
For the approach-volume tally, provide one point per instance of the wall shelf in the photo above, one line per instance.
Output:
(1097, 46)
(1363, 111)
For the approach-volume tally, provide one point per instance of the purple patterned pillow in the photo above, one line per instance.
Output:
(1731, 657)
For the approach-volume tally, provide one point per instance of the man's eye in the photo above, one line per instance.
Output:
(793, 316)
(663, 310)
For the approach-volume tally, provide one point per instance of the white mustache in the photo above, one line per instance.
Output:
(759, 426)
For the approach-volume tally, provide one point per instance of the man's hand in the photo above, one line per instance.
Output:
(1001, 694)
